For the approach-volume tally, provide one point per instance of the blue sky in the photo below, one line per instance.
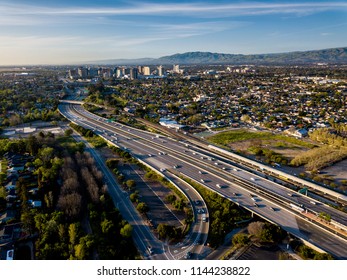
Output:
(73, 31)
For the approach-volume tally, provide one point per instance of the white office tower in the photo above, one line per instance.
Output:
(160, 70)
(146, 70)
(119, 73)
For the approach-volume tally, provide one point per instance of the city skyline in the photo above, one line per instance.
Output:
(67, 32)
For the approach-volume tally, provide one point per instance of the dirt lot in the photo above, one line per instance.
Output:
(338, 171)
(150, 192)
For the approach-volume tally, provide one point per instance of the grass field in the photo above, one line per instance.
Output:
(240, 135)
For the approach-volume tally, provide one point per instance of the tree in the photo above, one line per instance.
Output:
(142, 208)
(163, 230)
(82, 250)
(130, 184)
(255, 228)
(46, 154)
(134, 196)
(240, 238)
(73, 234)
(106, 226)
(68, 132)
(171, 198)
(126, 231)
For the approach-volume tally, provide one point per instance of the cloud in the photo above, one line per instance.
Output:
(179, 9)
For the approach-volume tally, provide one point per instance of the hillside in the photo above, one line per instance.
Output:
(337, 55)
(334, 55)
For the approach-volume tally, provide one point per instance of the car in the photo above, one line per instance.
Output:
(162, 169)
(273, 209)
(202, 180)
(150, 250)
(175, 166)
(149, 155)
(253, 179)
(256, 205)
(197, 202)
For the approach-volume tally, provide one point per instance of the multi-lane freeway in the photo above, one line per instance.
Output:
(255, 193)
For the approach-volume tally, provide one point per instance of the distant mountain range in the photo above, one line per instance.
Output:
(335, 55)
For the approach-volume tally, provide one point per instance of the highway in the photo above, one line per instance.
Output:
(148, 244)
(255, 193)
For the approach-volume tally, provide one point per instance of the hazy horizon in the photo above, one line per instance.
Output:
(72, 32)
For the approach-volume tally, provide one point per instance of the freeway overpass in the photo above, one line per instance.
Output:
(261, 196)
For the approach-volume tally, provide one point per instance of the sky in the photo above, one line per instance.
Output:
(76, 31)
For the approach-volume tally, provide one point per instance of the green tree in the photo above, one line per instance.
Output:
(68, 132)
(73, 234)
(142, 208)
(46, 154)
(130, 184)
(126, 231)
(107, 226)
(240, 239)
(134, 197)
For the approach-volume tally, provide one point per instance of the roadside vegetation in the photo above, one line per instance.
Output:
(307, 253)
(74, 200)
(95, 140)
(224, 215)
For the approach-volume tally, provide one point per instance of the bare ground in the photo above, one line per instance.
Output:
(338, 171)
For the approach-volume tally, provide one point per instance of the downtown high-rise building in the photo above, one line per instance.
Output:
(160, 70)
(133, 73)
(82, 72)
(146, 70)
